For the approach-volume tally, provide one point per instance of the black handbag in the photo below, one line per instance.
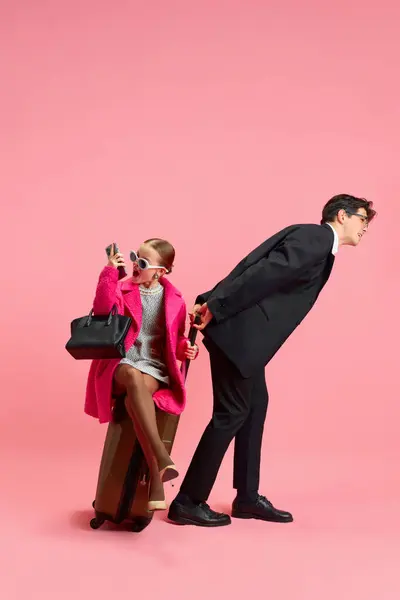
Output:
(99, 336)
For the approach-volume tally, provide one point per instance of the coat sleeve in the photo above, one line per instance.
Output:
(201, 298)
(284, 264)
(106, 291)
(238, 270)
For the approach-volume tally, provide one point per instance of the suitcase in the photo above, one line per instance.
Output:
(122, 486)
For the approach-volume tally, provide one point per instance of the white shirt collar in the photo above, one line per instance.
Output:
(335, 246)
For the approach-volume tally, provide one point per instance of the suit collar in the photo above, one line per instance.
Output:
(335, 245)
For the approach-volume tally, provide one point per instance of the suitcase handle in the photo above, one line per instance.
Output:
(192, 338)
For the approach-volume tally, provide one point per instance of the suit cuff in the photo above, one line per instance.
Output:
(200, 299)
(216, 308)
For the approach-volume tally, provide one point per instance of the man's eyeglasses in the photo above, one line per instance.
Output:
(143, 263)
(363, 218)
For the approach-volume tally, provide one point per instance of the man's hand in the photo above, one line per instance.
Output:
(204, 313)
(194, 312)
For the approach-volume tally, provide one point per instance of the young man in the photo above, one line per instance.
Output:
(245, 319)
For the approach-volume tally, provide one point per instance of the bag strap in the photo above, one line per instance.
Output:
(110, 316)
(112, 313)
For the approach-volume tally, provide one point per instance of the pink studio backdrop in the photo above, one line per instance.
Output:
(212, 124)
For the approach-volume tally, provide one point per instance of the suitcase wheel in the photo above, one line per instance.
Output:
(96, 523)
(140, 523)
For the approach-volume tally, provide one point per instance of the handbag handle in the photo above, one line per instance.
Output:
(110, 316)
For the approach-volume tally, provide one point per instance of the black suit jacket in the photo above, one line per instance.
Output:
(260, 303)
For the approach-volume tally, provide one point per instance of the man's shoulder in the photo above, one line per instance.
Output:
(311, 228)
(309, 234)
(311, 231)
(316, 239)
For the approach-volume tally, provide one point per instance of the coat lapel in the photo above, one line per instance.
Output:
(172, 305)
(133, 302)
(172, 302)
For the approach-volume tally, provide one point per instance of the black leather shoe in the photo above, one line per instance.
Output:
(189, 513)
(261, 509)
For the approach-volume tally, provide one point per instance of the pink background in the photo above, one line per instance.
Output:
(212, 124)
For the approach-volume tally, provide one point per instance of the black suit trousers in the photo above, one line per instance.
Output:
(239, 410)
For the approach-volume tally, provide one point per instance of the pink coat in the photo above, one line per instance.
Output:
(126, 296)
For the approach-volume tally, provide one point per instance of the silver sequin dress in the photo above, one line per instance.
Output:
(147, 354)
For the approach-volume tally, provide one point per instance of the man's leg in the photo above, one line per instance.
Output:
(248, 442)
(232, 398)
(248, 504)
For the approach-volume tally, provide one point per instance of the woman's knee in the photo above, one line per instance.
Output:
(129, 377)
(151, 384)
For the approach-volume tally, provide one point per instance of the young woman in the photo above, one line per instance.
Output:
(149, 375)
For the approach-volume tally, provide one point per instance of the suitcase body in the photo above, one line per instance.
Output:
(123, 481)
(122, 486)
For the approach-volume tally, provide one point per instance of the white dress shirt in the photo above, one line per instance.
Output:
(335, 246)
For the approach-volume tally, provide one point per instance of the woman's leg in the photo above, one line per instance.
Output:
(139, 403)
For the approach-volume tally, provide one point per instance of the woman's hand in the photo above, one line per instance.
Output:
(116, 260)
(191, 351)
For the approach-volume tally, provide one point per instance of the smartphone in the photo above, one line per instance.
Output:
(121, 271)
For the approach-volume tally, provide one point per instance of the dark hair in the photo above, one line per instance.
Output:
(165, 250)
(347, 203)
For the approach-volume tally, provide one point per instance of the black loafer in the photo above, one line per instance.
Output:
(261, 509)
(189, 513)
